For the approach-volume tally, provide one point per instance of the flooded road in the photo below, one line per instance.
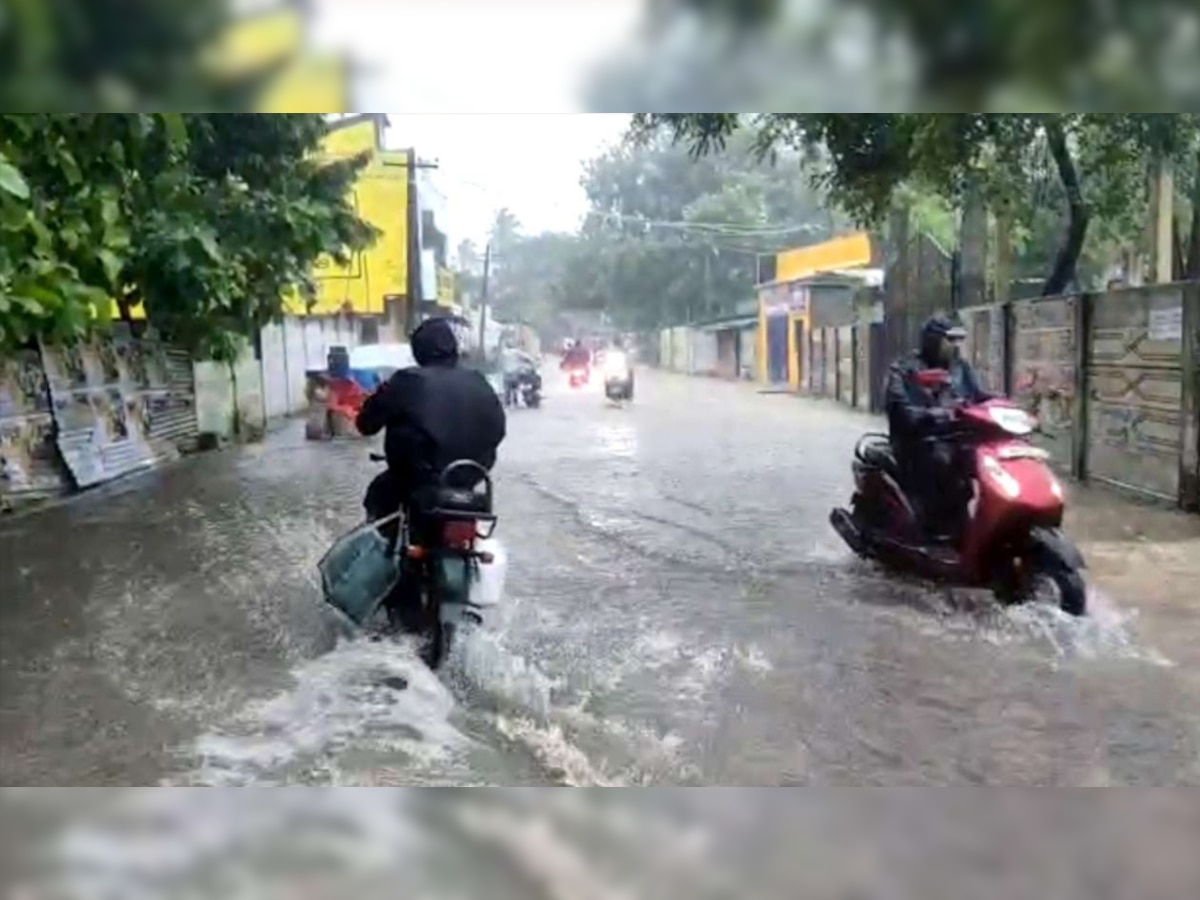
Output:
(678, 613)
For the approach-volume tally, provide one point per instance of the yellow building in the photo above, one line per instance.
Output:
(375, 283)
(784, 305)
(275, 37)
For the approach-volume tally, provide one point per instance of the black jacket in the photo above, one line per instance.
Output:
(435, 413)
(914, 411)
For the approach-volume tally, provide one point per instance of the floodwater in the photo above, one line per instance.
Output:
(678, 612)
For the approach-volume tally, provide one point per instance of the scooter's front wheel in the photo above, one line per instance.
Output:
(1044, 577)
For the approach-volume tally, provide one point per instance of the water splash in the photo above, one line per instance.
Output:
(375, 698)
(1107, 632)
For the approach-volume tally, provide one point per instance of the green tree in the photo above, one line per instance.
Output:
(670, 239)
(866, 159)
(117, 55)
(236, 225)
(932, 54)
(207, 220)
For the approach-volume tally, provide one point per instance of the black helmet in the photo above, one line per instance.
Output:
(934, 334)
(434, 343)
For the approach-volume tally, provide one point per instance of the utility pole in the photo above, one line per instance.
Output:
(483, 302)
(411, 319)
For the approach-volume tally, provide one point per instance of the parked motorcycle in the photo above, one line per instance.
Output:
(618, 376)
(436, 572)
(1012, 541)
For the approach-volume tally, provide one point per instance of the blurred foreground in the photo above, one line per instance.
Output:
(714, 843)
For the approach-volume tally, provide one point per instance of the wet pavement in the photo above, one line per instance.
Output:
(678, 613)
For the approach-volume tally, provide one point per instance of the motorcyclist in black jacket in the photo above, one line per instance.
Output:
(434, 413)
(933, 472)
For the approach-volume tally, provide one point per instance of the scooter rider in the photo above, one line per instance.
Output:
(435, 413)
(918, 412)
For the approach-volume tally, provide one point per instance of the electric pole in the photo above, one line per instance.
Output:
(415, 248)
(483, 301)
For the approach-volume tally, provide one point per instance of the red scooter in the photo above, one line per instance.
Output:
(578, 369)
(1012, 541)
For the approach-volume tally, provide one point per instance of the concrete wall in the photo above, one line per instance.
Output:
(216, 396)
(290, 348)
(1113, 379)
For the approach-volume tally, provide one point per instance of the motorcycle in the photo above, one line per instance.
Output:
(1012, 540)
(526, 389)
(436, 572)
(578, 376)
(531, 390)
(618, 377)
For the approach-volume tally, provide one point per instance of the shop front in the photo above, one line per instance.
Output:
(783, 327)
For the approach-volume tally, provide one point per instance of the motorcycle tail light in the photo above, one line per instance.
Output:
(459, 535)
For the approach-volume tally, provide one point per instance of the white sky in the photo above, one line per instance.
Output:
(488, 88)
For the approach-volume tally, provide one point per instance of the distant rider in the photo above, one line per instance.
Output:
(435, 413)
(577, 357)
(918, 414)
(518, 367)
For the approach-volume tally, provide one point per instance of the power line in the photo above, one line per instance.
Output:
(730, 229)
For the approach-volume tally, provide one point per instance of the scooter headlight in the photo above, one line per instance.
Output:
(1013, 420)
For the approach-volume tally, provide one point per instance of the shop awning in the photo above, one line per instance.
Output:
(734, 324)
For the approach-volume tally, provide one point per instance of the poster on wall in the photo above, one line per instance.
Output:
(30, 466)
(1166, 324)
(106, 394)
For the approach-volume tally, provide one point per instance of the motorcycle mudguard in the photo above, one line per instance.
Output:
(454, 581)
(1057, 544)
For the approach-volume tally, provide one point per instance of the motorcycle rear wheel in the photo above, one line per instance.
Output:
(438, 645)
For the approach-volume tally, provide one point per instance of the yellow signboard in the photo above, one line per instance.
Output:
(445, 287)
(840, 253)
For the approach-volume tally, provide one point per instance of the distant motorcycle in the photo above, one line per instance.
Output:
(618, 376)
(1012, 542)
(524, 389)
(530, 389)
(434, 570)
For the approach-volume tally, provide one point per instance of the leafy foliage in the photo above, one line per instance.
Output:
(115, 55)
(1097, 160)
(208, 221)
(667, 239)
(909, 54)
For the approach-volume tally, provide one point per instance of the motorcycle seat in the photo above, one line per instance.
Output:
(880, 456)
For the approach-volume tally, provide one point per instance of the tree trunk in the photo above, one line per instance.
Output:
(1179, 258)
(1068, 256)
(237, 412)
(1192, 269)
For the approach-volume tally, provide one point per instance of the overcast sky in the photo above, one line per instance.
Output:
(490, 89)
